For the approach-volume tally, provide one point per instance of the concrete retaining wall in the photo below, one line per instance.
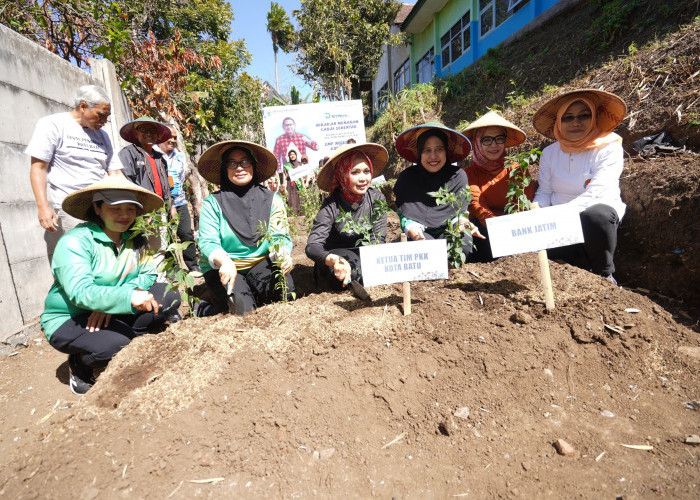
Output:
(33, 83)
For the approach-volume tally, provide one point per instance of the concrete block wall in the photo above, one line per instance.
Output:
(33, 83)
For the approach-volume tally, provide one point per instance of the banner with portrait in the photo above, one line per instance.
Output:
(313, 130)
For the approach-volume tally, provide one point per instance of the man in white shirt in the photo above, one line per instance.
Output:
(69, 152)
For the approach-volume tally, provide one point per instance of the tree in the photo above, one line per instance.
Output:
(282, 33)
(341, 42)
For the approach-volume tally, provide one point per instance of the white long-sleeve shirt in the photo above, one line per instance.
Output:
(582, 179)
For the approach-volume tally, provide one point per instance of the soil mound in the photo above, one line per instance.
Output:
(332, 396)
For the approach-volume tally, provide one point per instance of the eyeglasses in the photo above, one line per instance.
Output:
(579, 118)
(487, 140)
(233, 164)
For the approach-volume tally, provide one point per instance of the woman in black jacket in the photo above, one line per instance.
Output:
(334, 240)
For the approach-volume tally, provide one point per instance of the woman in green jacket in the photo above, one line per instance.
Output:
(243, 233)
(104, 292)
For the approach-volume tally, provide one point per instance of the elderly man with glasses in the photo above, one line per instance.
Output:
(177, 175)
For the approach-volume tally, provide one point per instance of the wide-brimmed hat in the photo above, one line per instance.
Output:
(514, 136)
(610, 110)
(78, 203)
(209, 164)
(458, 146)
(128, 131)
(377, 154)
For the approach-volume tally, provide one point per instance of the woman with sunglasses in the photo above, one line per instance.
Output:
(582, 170)
(243, 232)
(488, 174)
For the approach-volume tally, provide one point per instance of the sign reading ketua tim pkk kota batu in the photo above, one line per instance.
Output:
(313, 130)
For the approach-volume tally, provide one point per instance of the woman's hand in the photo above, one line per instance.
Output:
(227, 272)
(98, 320)
(286, 264)
(466, 225)
(415, 234)
(143, 300)
(341, 268)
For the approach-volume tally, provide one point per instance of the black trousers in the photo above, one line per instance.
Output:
(482, 252)
(256, 287)
(184, 232)
(599, 223)
(95, 349)
(324, 276)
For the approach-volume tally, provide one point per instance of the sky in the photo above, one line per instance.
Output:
(250, 22)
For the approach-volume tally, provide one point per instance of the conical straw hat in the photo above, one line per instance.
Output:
(376, 153)
(458, 146)
(514, 136)
(209, 164)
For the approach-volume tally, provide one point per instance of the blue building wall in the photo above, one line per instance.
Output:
(479, 45)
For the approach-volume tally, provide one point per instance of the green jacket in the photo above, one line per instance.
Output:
(215, 232)
(90, 276)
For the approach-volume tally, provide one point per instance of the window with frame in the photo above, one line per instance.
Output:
(402, 76)
(383, 97)
(456, 41)
(492, 13)
(426, 67)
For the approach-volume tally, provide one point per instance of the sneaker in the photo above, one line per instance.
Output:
(174, 317)
(81, 376)
(612, 280)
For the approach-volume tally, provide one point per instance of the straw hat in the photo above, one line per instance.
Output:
(128, 131)
(376, 153)
(209, 164)
(78, 203)
(610, 110)
(458, 146)
(514, 137)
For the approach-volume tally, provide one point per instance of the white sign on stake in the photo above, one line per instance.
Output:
(299, 172)
(534, 230)
(410, 261)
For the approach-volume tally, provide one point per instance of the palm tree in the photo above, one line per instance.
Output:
(281, 31)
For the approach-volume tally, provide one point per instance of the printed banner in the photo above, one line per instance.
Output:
(313, 130)
(300, 172)
(410, 261)
(534, 230)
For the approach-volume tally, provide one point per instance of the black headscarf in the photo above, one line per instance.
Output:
(414, 184)
(244, 207)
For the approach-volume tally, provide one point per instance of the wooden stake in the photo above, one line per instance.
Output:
(544, 273)
(406, 289)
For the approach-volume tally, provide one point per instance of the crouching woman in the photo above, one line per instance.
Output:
(104, 292)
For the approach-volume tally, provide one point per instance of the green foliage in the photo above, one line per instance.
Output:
(516, 98)
(276, 243)
(614, 18)
(460, 203)
(632, 49)
(294, 95)
(310, 201)
(341, 41)
(519, 179)
(364, 226)
(280, 28)
(159, 224)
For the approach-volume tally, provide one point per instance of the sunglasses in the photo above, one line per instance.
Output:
(233, 164)
(579, 118)
(487, 140)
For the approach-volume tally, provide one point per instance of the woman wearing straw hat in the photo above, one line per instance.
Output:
(433, 148)
(238, 261)
(488, 175)
(582, 170)
(346, 176)
(104, 292)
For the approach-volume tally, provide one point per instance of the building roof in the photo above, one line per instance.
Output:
(403, 13)
(422, 15)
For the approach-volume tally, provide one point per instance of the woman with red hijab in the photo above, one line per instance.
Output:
(582, 170)
(488, 174)
(346, 175)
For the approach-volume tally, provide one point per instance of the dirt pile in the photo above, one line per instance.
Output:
(331, 396)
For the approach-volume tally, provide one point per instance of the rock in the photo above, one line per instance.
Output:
(694, 440)
(462, 413)
(327, 453)
(521, 317)
(548, 373)
(691, 352)
(316, 455)
(564, 448)
(607, 414)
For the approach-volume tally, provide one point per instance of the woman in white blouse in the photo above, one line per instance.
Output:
(582, 169)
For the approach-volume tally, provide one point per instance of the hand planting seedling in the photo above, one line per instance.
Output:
(457, 225)
(519, 180)
(364, 226)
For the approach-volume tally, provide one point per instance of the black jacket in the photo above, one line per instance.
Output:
(138, 170)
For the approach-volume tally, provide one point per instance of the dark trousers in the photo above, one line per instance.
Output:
(95, 349)
(482, 252)
(599, 223)
(324, 276)
(255, 288)
(184, 232)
